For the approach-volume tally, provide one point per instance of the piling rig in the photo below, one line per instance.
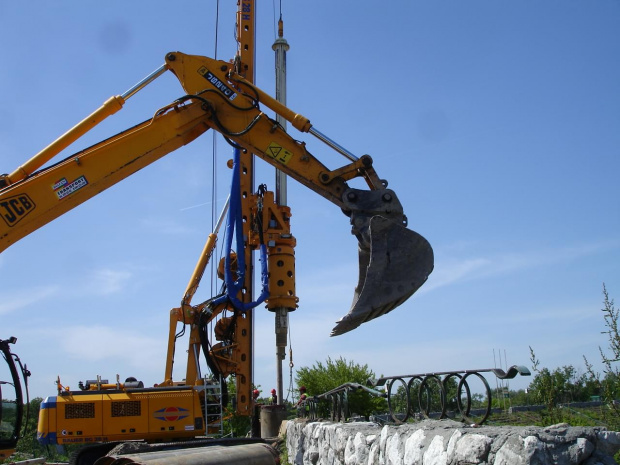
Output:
(394, 261)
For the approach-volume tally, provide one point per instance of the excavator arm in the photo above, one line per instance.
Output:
(394, 261)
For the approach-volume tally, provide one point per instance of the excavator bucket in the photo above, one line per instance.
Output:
(395, 265)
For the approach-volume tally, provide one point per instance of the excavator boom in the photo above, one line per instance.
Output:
(29, 204)
(394, 261)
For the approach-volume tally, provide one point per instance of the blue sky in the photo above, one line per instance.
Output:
(496, 123)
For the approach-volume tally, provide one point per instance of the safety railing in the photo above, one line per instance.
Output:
(338, 400)
(463, 395)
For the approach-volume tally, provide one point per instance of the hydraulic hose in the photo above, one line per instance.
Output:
(234, 227)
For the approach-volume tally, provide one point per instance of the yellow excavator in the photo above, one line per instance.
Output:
(394, 261)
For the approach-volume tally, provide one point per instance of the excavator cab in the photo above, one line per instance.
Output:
(11, 398)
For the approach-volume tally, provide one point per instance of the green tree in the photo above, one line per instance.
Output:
(323, 377)
(28, 443)
(239, 425)
(562, 385)
(609, 385)
(28, 447)
(519, 397)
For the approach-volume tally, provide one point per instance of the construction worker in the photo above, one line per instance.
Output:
(274, 397)
(256, 415)
(301, 403)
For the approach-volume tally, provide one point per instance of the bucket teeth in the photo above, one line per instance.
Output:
(398, 263)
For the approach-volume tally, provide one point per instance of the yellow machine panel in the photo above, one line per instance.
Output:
(79, 417)
(100, 416)
(177, 412)
(126, 414)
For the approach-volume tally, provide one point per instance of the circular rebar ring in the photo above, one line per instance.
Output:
(391, 404)
(413, 394)
(466, 412)
(446, 390)
(426, 387)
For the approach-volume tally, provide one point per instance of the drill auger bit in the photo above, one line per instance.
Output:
(393, 260)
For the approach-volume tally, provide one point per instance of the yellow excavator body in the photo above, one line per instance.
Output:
(108, 415)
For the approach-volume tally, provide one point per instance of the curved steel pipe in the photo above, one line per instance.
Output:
(257, 454)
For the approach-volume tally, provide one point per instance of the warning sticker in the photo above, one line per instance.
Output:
(71, 188)
(60, 183)
(213, 79)
(279, 153)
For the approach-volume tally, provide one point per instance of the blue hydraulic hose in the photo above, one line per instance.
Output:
(234, 226)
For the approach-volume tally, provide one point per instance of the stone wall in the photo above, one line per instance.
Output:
(446, 442)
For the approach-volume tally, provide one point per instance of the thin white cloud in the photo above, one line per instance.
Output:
(535, 315)
(108, 281)
(453, 271)
(167, 227)
(195, 206)
(219, 202)
(18, 301)
(104, 281)
(450, 269)
(102, 343)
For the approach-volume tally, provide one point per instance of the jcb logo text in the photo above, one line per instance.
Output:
(13, 209)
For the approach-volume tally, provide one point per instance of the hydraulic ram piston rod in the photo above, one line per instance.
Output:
(109, 107)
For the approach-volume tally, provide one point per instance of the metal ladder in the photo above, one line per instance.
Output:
(213, 408)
